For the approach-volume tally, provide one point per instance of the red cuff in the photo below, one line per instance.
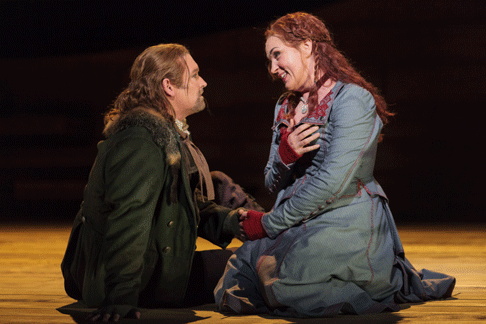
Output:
(287, 153)
(253, 225)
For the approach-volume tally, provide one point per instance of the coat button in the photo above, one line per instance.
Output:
(166, 250)
(83, 219)
(169, 224)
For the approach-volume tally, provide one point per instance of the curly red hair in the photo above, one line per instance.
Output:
(298, 27)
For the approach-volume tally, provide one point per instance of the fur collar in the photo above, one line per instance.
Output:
(162, 130)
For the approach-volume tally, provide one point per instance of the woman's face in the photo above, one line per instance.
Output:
(294, 66)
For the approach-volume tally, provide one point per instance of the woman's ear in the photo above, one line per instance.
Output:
(306, 48)
(168, 87)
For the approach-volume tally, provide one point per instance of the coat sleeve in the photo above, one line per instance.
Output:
(134, 174)
(352, 125)
(214, 219)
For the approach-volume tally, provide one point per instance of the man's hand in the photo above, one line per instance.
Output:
(114, 313)
(243, 216)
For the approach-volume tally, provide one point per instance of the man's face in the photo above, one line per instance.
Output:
(188, 98)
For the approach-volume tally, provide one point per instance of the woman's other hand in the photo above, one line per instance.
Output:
(301, 136)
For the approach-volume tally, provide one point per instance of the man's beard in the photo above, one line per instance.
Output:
(200, 105)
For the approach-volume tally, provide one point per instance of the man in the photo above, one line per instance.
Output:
(149, 195)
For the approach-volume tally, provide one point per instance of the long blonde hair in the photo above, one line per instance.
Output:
(153, 65)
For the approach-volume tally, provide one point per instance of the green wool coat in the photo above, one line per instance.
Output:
(131, 244)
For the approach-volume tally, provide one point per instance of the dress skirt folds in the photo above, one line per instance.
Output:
(328, 266)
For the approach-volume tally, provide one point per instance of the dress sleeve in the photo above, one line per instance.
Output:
(276, 170)
(134, 173)
(352, 126)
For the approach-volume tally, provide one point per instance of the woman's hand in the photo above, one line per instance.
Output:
(251, 226)
(301, 136)
(114, 313)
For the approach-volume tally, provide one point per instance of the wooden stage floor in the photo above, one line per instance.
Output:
(31, 286)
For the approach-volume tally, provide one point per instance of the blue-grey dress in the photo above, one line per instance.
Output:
(332, 244)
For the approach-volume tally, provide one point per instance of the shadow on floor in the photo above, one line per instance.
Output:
(78, 311)
(382, 318)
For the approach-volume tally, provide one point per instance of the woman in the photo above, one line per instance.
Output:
(330, 244)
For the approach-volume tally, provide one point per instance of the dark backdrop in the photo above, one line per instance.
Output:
(63, 63)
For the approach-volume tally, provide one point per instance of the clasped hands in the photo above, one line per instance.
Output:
(243, 216)
(250, 223)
